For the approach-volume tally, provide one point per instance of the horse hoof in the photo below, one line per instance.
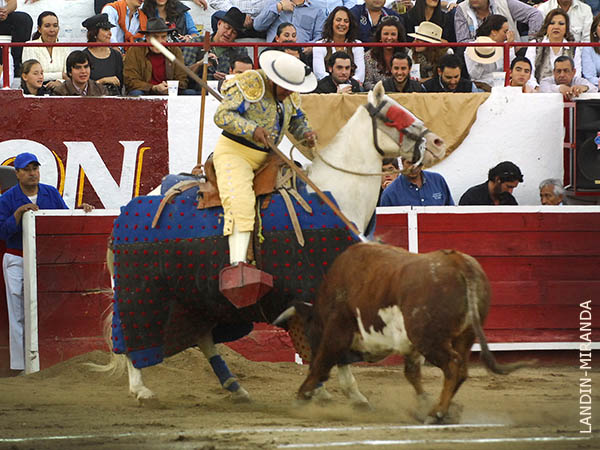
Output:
(362, 406)
(241, 396)
(148, 402)
(429, 420)
(146, 398)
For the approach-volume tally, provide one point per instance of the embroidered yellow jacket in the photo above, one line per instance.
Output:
(247, 104)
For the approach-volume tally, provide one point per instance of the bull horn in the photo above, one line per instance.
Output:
(285, 316)
(291, 311)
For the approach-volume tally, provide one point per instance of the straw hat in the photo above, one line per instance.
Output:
(287, 71)
(428, 32)
(484, 55)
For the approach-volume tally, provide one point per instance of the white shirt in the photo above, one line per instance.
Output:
(358, 54)
(580, 18)
(549, 85)
(531, 56)
(53, 66)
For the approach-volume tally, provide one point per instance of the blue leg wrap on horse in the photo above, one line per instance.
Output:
(222, 372)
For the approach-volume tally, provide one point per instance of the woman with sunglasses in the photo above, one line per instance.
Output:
(378, 60)
(340, 27)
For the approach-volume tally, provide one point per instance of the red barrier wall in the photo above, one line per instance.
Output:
(541, 266)
(73, 285)
(77, 120)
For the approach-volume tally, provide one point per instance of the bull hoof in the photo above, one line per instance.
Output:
(452, 416)
(454, 413)
(321, 395)
(424, 404)
(430, 420)
(241, 396)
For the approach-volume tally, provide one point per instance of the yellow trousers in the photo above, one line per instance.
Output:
(235, 165)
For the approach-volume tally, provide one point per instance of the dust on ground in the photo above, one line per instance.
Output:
(70, 407)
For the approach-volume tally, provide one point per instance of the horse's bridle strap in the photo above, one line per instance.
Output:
(373, 112)
(418, 153)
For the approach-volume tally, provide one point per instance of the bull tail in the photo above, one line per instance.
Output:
(473, 273)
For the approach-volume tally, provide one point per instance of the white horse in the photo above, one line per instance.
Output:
(350, 168)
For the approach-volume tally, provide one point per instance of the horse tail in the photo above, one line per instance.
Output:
(117, 363)
(474, 275)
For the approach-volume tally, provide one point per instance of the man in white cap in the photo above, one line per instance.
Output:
(257, 108)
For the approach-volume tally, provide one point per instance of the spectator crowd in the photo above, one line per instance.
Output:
(351, 63)
(342, 67)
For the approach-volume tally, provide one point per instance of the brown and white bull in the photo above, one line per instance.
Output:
(377, 300)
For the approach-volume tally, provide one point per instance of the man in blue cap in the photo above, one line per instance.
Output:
(27, 195)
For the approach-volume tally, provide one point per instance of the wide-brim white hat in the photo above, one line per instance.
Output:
(484, 55)
(287, 71)
(428, 32)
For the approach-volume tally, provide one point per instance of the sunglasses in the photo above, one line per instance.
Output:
(390, 19)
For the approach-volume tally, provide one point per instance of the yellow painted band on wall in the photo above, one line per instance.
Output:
(80, 187)
(138, 172)
(61, 175)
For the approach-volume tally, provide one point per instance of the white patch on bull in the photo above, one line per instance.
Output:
(433, 266)
(392, 338)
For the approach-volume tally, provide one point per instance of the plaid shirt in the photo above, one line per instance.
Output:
(224, 56)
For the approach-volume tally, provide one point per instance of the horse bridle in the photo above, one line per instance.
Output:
(420, 145)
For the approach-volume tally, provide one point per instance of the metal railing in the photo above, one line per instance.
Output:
(258, 45)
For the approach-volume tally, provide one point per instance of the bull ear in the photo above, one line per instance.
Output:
(378, 92)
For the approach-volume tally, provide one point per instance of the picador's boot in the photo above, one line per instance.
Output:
(242, 283)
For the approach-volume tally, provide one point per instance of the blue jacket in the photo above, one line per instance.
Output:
(365, 30)
(433, 192)
(48, 198)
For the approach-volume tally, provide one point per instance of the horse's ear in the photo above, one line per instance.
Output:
(379, 92)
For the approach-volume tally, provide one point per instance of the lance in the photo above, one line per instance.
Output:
(206, 48)
(171, 57)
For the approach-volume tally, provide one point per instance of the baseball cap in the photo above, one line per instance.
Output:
(23, 159)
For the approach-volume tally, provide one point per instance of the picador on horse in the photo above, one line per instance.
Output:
(258, 107)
